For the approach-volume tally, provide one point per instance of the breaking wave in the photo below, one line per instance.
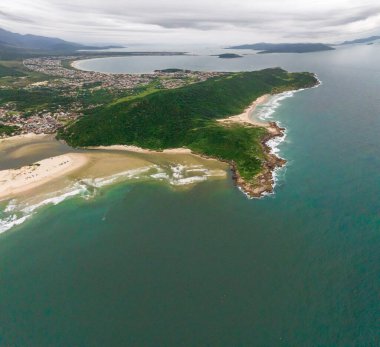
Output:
(16, 212)
(265, 113)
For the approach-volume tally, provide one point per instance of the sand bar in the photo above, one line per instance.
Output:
(17, 181)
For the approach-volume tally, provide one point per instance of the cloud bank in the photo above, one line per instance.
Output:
(190, 22)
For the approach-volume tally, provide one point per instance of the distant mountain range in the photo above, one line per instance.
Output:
(17, 43)
(285, 47)
(362, 40)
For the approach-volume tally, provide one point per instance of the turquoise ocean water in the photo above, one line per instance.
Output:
(145, 265)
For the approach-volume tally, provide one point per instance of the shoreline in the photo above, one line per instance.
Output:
(260, 185)
(136, 149)
(263, 183)
(244, 117)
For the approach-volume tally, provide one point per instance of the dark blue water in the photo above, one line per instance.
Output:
(143, 265)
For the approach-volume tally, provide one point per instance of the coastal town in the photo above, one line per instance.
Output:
(78, 90)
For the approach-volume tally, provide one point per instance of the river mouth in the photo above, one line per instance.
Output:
(101, 169)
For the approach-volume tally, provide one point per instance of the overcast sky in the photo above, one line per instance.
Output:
(193, 21)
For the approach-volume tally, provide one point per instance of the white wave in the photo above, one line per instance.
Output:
(16, 214)
(180, 175)
(160, 176)
(177, 171)
(266, 111)
(275, 142)
(77, 189)
(319, 81)
(11, 206)
(104, 181)
(184, 175)
(187, 180)
(11, 221)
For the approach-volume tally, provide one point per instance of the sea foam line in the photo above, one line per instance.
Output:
(267, 111)
(18, 214)
(15, 213)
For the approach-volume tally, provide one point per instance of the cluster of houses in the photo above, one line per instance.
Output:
(43, 122)
(69, 80)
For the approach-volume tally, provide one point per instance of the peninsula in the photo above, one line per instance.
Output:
(206, 113)
(190, 117)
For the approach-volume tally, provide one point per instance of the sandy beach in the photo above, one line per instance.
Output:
(17, 181)
(142, 150)
(245, 116)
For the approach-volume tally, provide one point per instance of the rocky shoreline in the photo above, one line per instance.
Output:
(262, 183)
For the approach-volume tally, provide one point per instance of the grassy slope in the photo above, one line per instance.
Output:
(185, 117)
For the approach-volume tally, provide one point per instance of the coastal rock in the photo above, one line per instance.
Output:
(262, 183)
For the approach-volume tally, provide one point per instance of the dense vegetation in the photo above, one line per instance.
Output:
(33, 99)
(186, 117)
(8, 130)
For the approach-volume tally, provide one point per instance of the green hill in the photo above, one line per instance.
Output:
(186, 117)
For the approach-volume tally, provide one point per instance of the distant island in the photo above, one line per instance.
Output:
(285, 47)
(229, 56)
(362, 40)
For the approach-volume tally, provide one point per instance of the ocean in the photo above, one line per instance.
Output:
(143, 264)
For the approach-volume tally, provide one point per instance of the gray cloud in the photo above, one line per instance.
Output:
(14, 18)
(196, 21)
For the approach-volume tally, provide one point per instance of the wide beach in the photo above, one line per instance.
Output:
(17, 181)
